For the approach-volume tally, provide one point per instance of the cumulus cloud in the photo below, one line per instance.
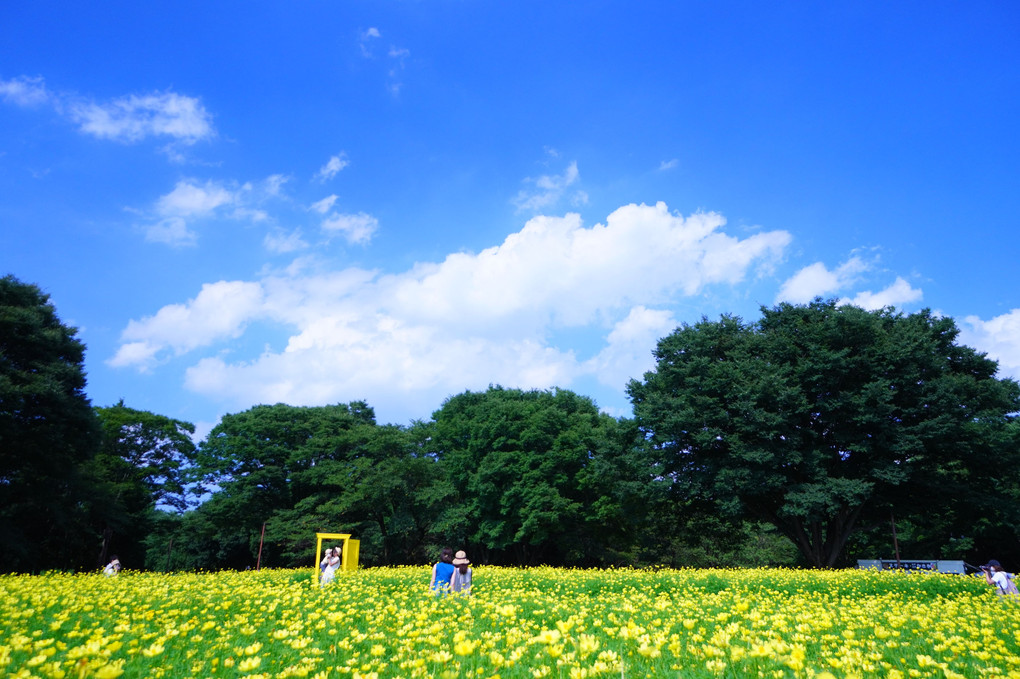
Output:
(463, 322)
(998, 337)
(545, 191)
(354, 228)
(817, 280)
(25, 91)
(896, 295)
(332, 167)
(220, 311)
(628, 350)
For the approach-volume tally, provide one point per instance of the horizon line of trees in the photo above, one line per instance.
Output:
(802, 439)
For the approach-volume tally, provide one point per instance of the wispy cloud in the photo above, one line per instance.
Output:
(127, 119)
(366, 40)
(25, 91)
(325, 205)
(545, 191)
(190, 201)
(668, 164)
(332, 167)
(355, 228)
(135, 117)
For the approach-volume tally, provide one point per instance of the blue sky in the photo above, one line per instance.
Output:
(320, 202)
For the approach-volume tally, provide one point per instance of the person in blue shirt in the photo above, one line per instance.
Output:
(442, 572)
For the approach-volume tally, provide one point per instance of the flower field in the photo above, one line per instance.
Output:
(519, 623)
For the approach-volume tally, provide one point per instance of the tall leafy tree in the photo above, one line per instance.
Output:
(301, 470)
(540, 476)
(48, 430)
(139, 469)
(821, 416)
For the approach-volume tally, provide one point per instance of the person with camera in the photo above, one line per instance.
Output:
(999, 578)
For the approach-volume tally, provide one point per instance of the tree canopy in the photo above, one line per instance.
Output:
(820, 415)
(47, 430)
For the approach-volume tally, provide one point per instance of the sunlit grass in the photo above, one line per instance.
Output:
(519, 623)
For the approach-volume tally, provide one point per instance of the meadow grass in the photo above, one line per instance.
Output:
(528, 623)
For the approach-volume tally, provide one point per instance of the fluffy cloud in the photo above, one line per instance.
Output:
(998, 337)
(467, 321)
(897, 294)
(817, 280)
(220, 311)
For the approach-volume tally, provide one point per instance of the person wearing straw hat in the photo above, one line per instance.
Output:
(461, 581)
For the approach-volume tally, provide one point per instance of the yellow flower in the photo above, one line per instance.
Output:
(111, 671)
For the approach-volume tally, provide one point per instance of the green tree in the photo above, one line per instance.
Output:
(139, 469)
(819, 417)
(540, 477)
(47, 432)
(302, 470)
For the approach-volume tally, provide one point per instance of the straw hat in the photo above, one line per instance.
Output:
(460, 558)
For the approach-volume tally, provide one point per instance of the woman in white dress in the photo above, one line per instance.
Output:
(329, 564)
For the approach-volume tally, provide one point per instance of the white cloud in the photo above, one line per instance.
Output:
(282, 243)
(628, 350)
(332, 167)
(462, 323)
(190, 199)
(131, 118)
(669, 164)
(325, 205)
(355, 228)
(365, 41)
(135, 117)
(220, 311)
(547, 190)
(998, 337)
(172, 231)
(817, 280)
(896, 295)
(25, 91)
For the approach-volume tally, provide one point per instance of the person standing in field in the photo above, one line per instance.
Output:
(461, 581)
(442, 572)
(329, 564)
(996, 576)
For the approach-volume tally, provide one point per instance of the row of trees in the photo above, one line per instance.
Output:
(794, 440)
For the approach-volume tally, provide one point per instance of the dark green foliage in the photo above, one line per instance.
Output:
(305, 470)
(140, 466)
(47, 431)
(541, 477)
(820, 417)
